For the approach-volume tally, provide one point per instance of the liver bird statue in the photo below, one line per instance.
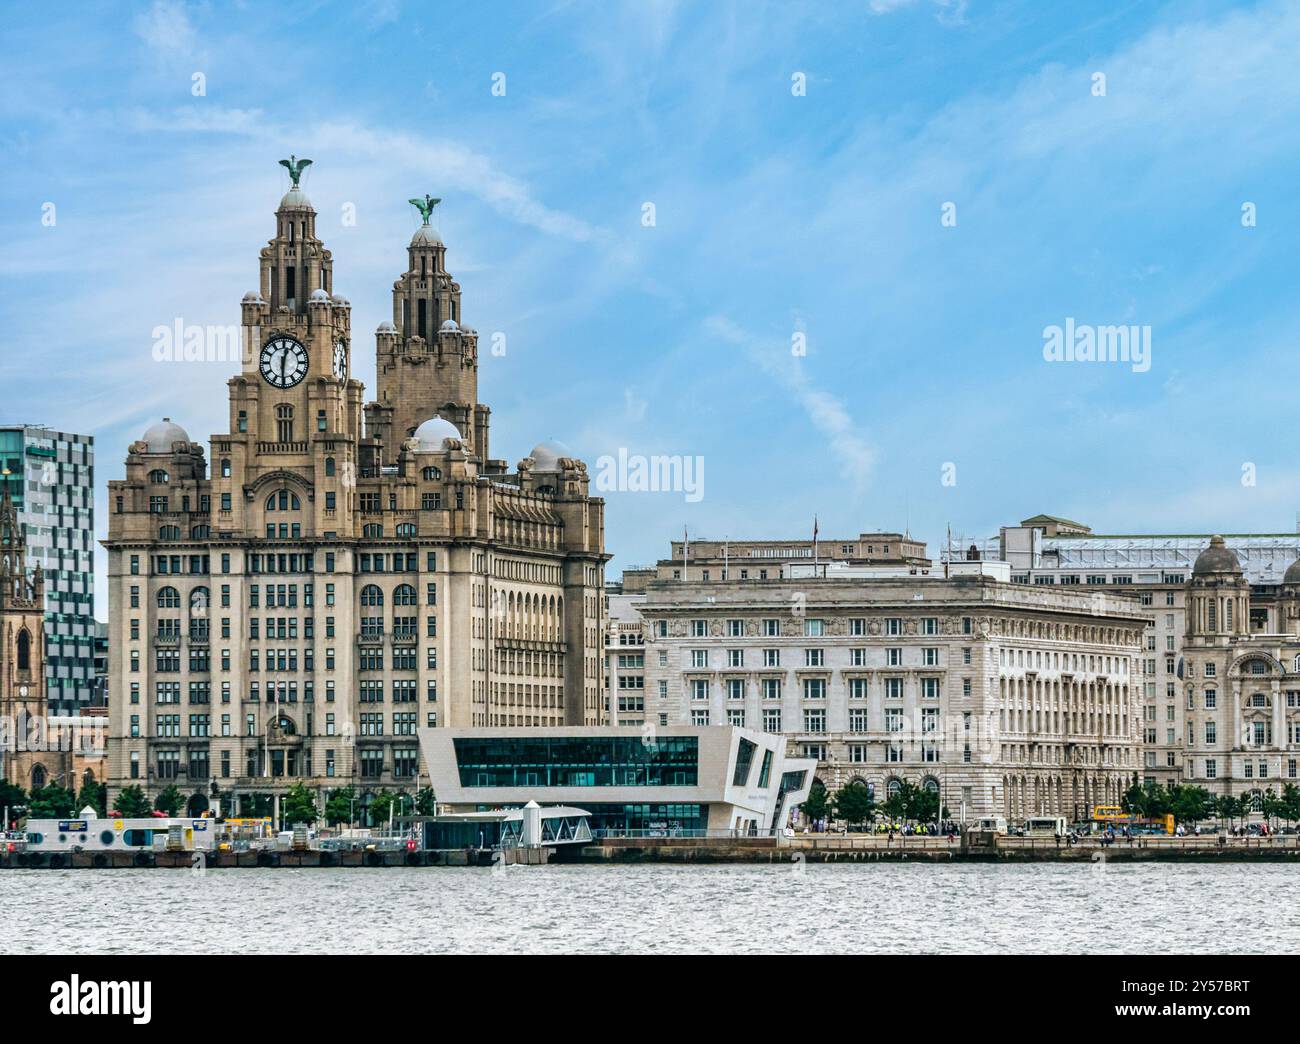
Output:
(295, 167)
(425, 206)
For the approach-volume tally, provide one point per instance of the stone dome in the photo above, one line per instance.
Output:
(426, 236)
(295, 199)
(159, 437)
(433, 433)
(448, 326)
(385, 327)
(546, 455)
(1217, 558)
(1292, 574)
(320, 294)
(341, 301)
(252, 297)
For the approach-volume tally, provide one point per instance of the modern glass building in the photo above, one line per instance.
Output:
(631, 781)
(51, 477)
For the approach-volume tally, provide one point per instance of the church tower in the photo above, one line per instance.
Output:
(426, 358)
(22, 658)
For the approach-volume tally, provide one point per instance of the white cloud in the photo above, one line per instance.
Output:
(166, 29)
(847, 443)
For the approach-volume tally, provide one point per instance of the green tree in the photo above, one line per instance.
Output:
(1227, 807)
(817, 805)
(255, 806)
(169, 800)
(51, 802)
(923, 805)
(12, 797)
(854, 804)
(1134, 800)
(1189, 804)
(93, 794)
(380, 803)
(1290, 802)
(1272, 806)
(425, 803)
(338, 806)
(131, 803)
(298, 805)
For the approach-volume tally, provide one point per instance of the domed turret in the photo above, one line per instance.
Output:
(1217, 558)
(546, 455)
(433, 433)
(160, 437)
(295, 199)
(426, 236)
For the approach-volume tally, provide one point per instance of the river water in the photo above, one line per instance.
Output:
(743, 908)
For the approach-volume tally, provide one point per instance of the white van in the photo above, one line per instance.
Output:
(992, 824)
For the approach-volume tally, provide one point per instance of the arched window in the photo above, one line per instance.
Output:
(406, 529)
(404, 594)
(329, 467)
(225, 467)
(372, 595)
(199, 602)
(431, 472)
(200, 532)
(168, 598)
(372, 531)
(169, 533)
(283, 500)
(158, 477)
(284, 422)
(24, 650)
(38, 777)
(892, 787)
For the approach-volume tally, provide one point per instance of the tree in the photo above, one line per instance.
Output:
(169, 800)
(12, 797)
(425, 803)
(854, 804)
(923, 805)
(299, 805)
(338, 806)
(51, 802)
(1134, 800)
(131, 803)
(1290, 802)
(817, 805)
(1272, 806)
(1188, 803)
(93, 794)
(379, 805)
(1228, 807)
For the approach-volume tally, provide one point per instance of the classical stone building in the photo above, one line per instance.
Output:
(1005, 699)
(1155, 568)
(1242, 678)
(346, 571)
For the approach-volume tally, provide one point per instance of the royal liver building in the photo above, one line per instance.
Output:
(343, 572)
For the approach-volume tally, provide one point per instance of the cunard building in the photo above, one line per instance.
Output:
(341, 572)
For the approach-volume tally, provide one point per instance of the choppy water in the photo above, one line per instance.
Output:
(881, 908)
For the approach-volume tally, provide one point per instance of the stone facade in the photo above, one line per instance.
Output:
(348, 571)
(1242, 678)
(1005, 699)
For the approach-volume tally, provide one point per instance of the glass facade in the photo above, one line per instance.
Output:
(744, 759)
(51, 477)
(578, 761)
(648, 820)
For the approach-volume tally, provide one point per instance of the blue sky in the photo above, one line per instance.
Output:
(774, 214)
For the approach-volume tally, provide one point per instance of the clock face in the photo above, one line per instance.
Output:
(340, 360)
(284, 362)
(22, 690)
